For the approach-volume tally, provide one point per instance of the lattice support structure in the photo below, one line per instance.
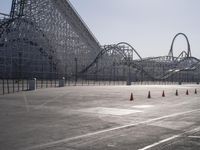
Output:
(45, 28)
(17, 8)
(48, 39)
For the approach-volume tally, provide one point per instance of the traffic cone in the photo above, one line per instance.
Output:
(131, 98)
(163, 94)
(187, 92)
(149, 95)
(176, 93)
(195, 92)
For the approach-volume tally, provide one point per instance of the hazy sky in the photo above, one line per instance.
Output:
(148, 25)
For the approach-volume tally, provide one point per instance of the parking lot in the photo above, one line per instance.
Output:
(101, 118)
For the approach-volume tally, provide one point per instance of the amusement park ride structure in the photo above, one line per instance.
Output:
(48, 39)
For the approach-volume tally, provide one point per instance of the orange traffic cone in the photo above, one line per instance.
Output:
(163, 94)
(131, 98)
(149, 95)
(187, 92)
(176, 93)
(195, 92)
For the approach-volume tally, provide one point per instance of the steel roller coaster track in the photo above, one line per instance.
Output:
(184, 62)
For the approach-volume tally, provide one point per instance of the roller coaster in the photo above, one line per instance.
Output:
(181, 68)
(48, 39)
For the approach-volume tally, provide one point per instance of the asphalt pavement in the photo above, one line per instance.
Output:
(102, 118)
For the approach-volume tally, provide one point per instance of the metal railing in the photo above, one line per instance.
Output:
(8, 86)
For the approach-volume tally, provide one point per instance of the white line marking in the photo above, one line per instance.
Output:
(142, 106)
(26, 102)
(49, 101)
(169, 139)
(107, 130)
(195, 137)
(160, 142)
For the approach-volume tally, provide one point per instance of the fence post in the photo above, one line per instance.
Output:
(76, 71)
(18, 85)
(3, 88)
(13, 81)
(8, 86)
(22, 84)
